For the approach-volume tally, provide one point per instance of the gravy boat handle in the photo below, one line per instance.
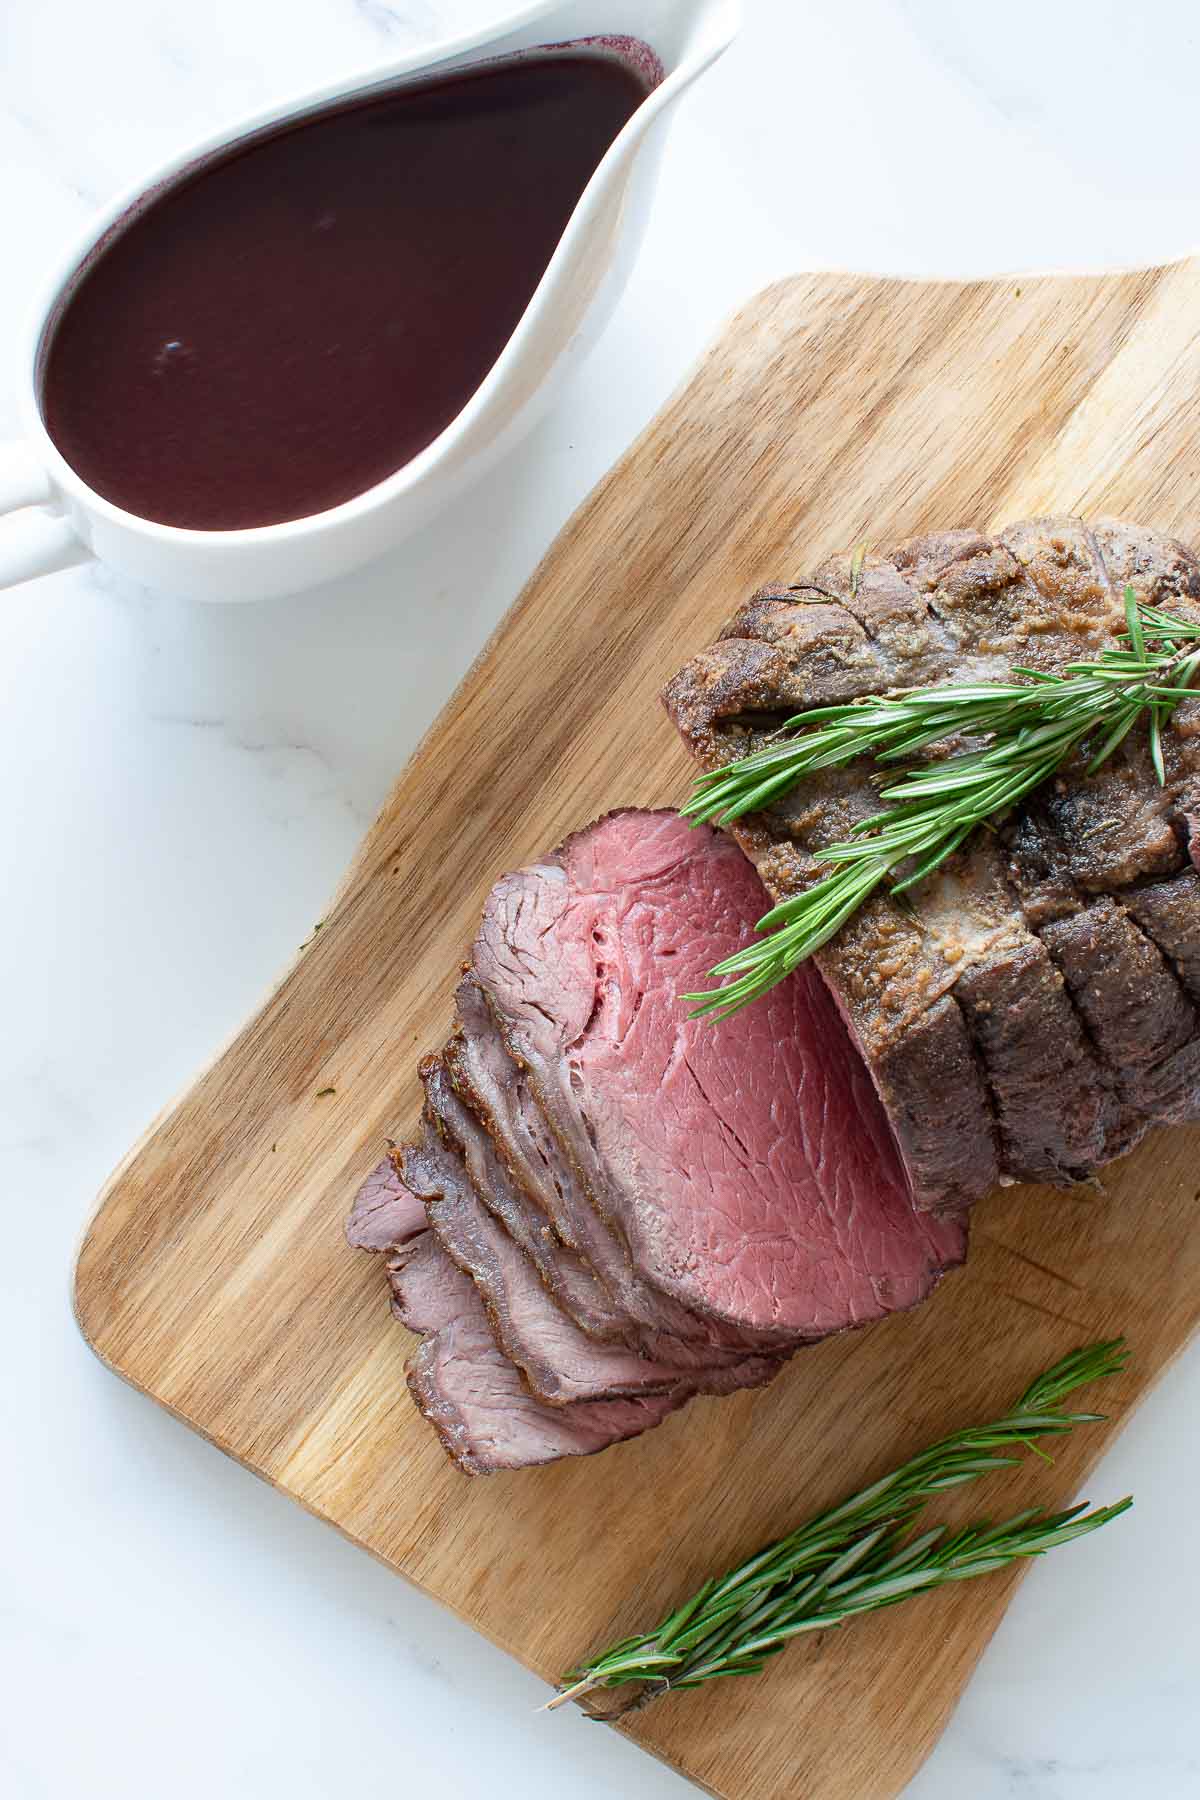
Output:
(36, 542)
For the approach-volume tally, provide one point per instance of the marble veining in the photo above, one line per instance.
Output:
(184, 787)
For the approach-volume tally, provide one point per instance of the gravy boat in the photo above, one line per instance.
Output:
(61, 520)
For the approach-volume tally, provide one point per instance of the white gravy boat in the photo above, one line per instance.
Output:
(61, 520)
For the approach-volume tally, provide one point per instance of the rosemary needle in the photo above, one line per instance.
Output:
(1032, 726)
(863, 1554)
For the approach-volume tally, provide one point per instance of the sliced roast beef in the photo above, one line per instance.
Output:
(498, 1091)
(517, 1166)
(468, 1390)
(952, 993)
(577, 1258)
(749, 1171)
(472, 1394)
(559, 1362)
(386, 1214)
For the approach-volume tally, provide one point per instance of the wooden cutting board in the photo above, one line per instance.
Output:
(214, 1276)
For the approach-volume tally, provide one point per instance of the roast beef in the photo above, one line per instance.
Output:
(612, 1206)
(386, 1215)
(620, 1304)
(560, 1362)
(517, 1166)
(465, 1386)
(1169, 913)
(748, 1171)
(1030, 1014)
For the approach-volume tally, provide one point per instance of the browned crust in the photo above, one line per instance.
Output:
(1169, 913)
(949, 606)
(1133, 1006)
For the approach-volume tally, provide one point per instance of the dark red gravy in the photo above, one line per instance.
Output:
(296, 319)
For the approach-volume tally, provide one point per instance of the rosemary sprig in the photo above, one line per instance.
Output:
(1033, 726)
(861, 1556)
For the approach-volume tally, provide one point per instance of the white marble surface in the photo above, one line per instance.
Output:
(182, 788)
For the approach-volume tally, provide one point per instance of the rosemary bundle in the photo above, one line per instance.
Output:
(1032, 725)
(862, 1555)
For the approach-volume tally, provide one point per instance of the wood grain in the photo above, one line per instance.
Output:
(214, 1275)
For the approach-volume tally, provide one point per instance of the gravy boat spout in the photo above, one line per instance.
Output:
(61, 518)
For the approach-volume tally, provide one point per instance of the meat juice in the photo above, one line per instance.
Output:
(289, 323)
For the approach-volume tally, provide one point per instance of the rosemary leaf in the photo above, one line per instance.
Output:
(931, 809)
(863, 1554)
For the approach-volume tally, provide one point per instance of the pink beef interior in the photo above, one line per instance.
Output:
(467, 1388)
(767, 1180)
(386, 1214)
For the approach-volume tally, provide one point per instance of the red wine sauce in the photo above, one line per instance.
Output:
(296, 319)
